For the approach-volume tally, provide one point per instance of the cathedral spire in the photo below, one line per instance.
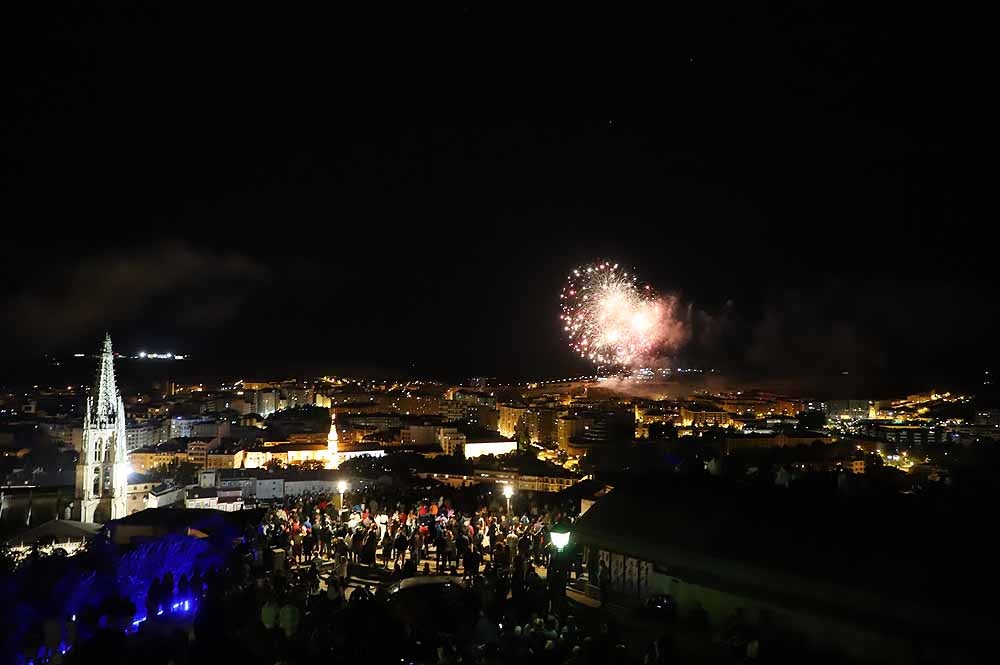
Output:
(105, 396)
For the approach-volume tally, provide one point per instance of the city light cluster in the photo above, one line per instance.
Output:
(142, 355)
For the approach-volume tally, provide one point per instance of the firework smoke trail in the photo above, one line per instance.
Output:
(613, 319)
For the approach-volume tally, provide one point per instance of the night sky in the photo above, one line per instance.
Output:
(255, 208)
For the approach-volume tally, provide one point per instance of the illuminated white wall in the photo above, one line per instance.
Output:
(344, 456)
(489, 448)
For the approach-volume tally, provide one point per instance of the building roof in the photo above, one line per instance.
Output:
(586, 489)
(227, 453)
(184, 520)
(833, 555)
(136, 478)
(171, 446)
(360, 447)
(234, 474)
(386, 435)
(235, 443)
(188, 440)
(55, 531)
(288, 447)
(197, 492)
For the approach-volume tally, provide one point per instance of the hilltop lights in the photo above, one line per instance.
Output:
(146, 355)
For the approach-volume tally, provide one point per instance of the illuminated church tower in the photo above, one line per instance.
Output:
(332, 443)
(102, 470)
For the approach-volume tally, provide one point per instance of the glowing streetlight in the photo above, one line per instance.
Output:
(508, 491)
(560, 536)
(342, 487)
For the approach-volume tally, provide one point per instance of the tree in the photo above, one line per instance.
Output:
(274, 464)
(311, 465)
(183, 472)
(522, 435)
(812, 419)
(8, 561)
(662, 431)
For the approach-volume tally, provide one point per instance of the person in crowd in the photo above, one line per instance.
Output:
(604, 582)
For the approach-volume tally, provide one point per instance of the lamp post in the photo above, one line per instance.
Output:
(559, 535)
(342, 487)
(508, 491)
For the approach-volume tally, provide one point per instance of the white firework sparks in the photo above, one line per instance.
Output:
(611, 318)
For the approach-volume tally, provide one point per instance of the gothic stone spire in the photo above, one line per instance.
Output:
(105, 405)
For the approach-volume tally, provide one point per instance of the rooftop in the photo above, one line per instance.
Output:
(770, 538)
(55, 531)
(202, 492)
(286, 447)
(186, 520)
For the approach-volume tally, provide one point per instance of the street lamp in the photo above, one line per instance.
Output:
(508, 491)
(342, 487)
(560, 536)
(557, 571)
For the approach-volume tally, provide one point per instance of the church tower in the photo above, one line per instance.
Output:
(332, 443)
(102, 470)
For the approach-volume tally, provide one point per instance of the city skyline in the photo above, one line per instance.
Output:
(305, 358)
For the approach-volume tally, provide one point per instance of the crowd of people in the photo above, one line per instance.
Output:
(398, 533)
(506, 612)
(332, 600)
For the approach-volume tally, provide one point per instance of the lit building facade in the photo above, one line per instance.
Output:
(139, 488)
(267, 402)
(147, 459)
(510, 415)
(143, 435)
(850, 409)
(570, 428)
(451, 440)
(704, 415)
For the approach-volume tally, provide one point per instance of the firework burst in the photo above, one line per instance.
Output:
(611, 318)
